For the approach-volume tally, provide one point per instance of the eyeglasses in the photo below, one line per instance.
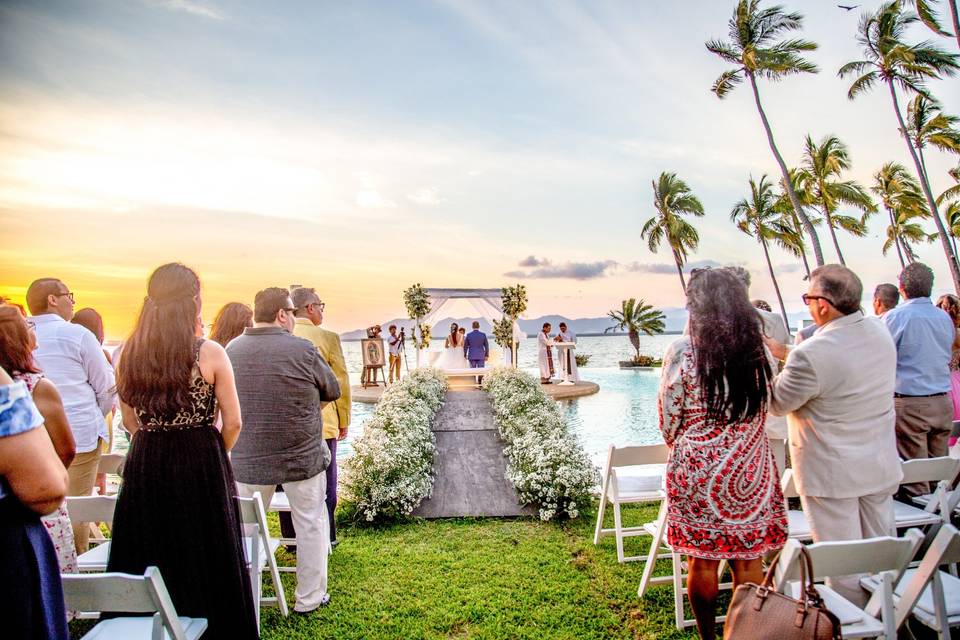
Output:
(807, 298)
(320, 305)
(290, 309)
(68, 294)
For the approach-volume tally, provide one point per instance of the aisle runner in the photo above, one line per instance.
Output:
(468, 465)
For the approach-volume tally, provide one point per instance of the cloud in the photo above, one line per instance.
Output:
(533, 261)
(669, 267)
(569, 270)
(789, 267)
(372, 199)
(194, 7)
(428, 196)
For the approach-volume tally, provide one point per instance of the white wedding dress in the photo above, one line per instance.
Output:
(452, 358)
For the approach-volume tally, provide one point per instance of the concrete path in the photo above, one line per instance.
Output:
(469, 466)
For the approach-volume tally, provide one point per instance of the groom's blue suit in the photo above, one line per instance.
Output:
(476, 348)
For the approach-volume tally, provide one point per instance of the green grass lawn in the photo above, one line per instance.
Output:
(479, 578)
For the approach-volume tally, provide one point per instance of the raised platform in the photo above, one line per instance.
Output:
(370, 395)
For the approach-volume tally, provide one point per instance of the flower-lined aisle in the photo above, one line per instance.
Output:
(391, 471)
(545, 462)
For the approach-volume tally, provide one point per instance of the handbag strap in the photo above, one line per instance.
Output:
(809, 590)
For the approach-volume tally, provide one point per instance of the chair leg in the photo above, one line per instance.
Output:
(677, 590)
(655, 543)
(939, 606)
(600, 513)
(618, 531)
(277, 585)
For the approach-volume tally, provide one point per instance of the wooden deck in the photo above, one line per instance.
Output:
(370, 395)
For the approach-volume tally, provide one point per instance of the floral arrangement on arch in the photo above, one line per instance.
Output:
(545, 462)
(417, 302)
(514, 301)
(391, 471)
(421, 337)
(503, 332)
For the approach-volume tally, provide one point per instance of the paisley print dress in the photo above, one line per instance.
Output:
(723, 491)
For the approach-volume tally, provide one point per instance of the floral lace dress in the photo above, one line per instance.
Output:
(723, 493)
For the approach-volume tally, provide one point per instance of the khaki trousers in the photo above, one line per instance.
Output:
(394, 367)
(923, 431)
(82, 475)
(849, 519)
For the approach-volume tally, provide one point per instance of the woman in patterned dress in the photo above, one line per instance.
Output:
(177, 506)
(723, 495)
(951, 304)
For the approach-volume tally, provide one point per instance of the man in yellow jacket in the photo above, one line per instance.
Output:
(336, 414)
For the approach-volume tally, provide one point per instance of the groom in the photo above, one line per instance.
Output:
(476, 349)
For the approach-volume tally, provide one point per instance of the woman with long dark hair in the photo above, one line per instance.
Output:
(723, 493)
(177, 506)
(230, 322)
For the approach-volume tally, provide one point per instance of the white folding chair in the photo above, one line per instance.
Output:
(925, 592)
(937, 506)
(112, 464)
(639, 487)
(261, 549)
(92, 509)
(121, 592)
(798, 525)
(888, 557)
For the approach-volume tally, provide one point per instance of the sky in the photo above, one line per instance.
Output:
(362, 147)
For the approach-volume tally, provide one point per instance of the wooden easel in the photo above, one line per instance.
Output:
(370, 371)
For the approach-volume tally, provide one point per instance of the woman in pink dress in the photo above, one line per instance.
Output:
(723, 493)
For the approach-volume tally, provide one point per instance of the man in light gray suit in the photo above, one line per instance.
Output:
(836, 390)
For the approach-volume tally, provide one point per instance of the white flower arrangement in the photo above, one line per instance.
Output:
(545, 462)
(391, 471)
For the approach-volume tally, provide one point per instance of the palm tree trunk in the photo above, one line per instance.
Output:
(787, 184)
(956, 19)
(833, 233)
(896, 238)
(776, 287)
(925, 184)
(908, 251)
(676, 258)
(803, 248)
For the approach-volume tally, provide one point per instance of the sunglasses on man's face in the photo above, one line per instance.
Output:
(807, 298)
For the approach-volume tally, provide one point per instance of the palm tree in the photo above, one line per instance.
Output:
(928, 125)
(820, 174)
(673, 199)
(890, 60)
(636, 317)
(792, 238)
(951, 198)
(929, 17)
(900, 195)
(756, 51)
(757, 217)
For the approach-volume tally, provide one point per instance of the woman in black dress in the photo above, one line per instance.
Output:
(177, 509)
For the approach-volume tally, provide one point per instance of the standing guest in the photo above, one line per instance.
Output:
(924, 337)
(17, 343)
(283, 383)
(836, 390)
(92, 321)
(70, 357)
(885, 297)
(723, 494)
(545, 354)
(570, 364)
(335, 415)
(951, 304)
(394, 344)
(33, 482)
(230, 322)
(177, 507)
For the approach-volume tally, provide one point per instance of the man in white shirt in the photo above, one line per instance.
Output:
(72, 358)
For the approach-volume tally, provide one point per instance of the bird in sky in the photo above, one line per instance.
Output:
(847, 7)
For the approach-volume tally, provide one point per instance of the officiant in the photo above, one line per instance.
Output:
(568, 362)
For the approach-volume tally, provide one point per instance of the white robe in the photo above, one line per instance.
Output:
(569, 336)
(543, 344)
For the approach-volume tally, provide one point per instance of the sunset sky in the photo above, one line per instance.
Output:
(360, 147)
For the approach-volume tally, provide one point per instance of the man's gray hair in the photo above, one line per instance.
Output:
(741, 273)
(840, 285)
(887, 294)
(302, 296)
(916, 280)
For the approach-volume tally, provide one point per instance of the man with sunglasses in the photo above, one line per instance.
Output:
(73, 360)
(283, 383)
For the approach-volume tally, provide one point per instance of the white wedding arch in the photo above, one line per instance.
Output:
(486, 302)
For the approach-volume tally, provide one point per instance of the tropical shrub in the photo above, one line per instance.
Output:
(545, 462)
(391, 471)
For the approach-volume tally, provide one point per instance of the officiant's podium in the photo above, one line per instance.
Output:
(565, 350)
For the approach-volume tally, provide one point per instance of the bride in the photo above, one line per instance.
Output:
(452, 356)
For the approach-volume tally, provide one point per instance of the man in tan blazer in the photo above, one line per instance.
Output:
(836, 390)
(336, 414)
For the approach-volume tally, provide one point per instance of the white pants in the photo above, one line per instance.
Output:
(309, 513)
(849, 519)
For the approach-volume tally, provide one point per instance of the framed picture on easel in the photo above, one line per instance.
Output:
(373, 352)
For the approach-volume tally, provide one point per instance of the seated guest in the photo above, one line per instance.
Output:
(177, 507)
(836, 390)
(723, 492)
(336, 415)
(71, 357)
(924, 337)
(230, 322)
(17, 343)
(283, 383)
(885, 297)
(33, 482)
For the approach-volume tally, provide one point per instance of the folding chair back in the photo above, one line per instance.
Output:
(945, 549)
(849, 557)
(930, 470)
(788, 484)
(637, 455)
(91, 508)
(254, 518)
(120, 592)
(111, 463)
